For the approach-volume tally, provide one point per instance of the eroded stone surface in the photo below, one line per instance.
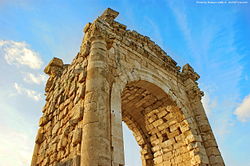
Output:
(121, 75)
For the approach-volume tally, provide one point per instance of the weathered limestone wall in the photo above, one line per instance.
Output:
(59, 137)
(120, 75)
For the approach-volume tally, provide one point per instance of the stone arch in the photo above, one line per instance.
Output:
(116, 71)
(139, 101)
(152, 140)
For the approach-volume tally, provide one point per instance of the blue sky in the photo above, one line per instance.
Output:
(213, 38)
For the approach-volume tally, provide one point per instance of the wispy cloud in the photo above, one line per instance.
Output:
(28, 92)
(27, 4)
(213, 53)
(243, 110)
(208, 103)
(34, 78)
(19, 53)
(181, 16)
(16, 147)
(223, 127)
(156, 33)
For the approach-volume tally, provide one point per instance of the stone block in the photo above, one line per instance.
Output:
(54, 67)
(39, 137)
(55, 128)
(77, 136)
(43, 120)
(82, 76)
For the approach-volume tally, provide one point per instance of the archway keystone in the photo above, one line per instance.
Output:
(120, 75)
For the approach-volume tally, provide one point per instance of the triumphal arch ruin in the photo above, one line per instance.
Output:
(122, 76)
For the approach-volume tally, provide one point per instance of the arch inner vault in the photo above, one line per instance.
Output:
(122, 76)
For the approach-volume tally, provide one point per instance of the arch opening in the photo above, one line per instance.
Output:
(158, 125)
(131, 148)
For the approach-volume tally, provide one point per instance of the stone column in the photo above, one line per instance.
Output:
(211, 147)
(209, 152)
(116, 127)
(96, 146)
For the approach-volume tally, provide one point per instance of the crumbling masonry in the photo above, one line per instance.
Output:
(120, 75)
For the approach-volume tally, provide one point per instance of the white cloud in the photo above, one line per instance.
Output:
(19, 53)
(28, 92)
(208, 103)
(16, 147)
(182, 20)
(36, 79)
(155, 33)
(243, 110)
(18, 130)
